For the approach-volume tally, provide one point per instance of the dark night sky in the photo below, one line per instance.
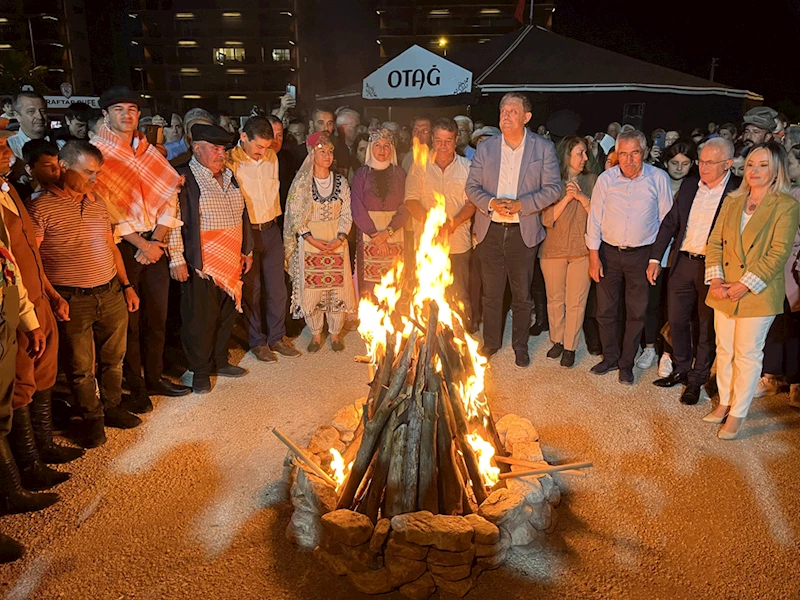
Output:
(757, 47)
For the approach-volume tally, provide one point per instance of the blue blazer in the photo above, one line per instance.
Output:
(539, 184)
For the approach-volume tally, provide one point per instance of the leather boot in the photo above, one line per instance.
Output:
(13, 497)
(41, 410)
(540, 310)
(10, 549)
(35, 475)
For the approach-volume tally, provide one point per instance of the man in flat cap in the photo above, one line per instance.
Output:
(208, 254)
(141, 190)
(759, 123)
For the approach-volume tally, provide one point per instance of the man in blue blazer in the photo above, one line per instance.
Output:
(512, 178)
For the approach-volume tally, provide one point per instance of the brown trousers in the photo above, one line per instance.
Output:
(567, 283)
(40, 374)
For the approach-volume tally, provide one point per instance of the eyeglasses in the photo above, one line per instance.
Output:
(711, 163)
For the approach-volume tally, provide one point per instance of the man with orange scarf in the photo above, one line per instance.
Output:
(141, 190)
(208, 255)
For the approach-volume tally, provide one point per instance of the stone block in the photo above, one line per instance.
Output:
(483, 550)
(528, 450)
(444, 532)
(504, 508)
(455, 573)
(485, 532)
(320, 496)
(553, 522)
(304, 529)
(529, 487)
(372, 582)
(443, 558)
(492, 562)
(397, 546)
(404, 570)
(347, 527)
(334, 563)
(325, 438)
(380, 534)
(359, 558)
(421, 589)
(523, 534)
(554, 498)
(456, 588)
(542, 516)
(346, 419)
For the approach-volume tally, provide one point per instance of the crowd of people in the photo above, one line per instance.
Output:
(680, 251)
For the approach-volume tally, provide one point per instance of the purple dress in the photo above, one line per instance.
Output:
(378, 192)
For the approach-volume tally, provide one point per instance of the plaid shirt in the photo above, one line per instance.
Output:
(220, 208)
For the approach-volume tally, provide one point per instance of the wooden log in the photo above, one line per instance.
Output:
(349, 454)
(430, 339)
(461, 432)
(401, 370)
(304, 457)
(414, 437)
(449, 483)
(372, 432)
(546, 470)
(510, 460)
(499, 450)
(387, 372)
(394, 480)
(428, 489)
(377, 483)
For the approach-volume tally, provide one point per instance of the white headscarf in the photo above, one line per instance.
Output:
(371, 161)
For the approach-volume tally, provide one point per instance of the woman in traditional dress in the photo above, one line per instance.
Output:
(317, 222)
(378, 210)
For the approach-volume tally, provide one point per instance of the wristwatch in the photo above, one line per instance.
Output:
(126, 286)
(390, 231)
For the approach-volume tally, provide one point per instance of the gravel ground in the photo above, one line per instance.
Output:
(191, 504)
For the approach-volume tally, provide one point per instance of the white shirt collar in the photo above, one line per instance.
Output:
(721, 185)
(520, 147)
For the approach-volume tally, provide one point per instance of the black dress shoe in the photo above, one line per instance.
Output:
(603, 367)
(538, 327)
(164, 387)
(15, 499)
(523, 358)
(555, 351)
(568, 358)
(672, 380)
(138, 402)
(230, 370)
(119, 418)
(487, 352)
(34, 474)
(41, 409)
(93, 433)
(594, 350)
(691, 394)
(10, 549)
(201, 384)
(626, 376)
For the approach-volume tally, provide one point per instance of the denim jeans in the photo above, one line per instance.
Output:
(96, 333)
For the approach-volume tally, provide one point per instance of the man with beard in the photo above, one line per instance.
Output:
(759, 123)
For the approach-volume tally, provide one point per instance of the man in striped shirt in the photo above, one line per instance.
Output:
(81, 260)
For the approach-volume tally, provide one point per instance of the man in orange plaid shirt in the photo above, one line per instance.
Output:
(141, 190)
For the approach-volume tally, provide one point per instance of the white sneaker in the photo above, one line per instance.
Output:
(646, 358)
(665, 365)
(767, 386)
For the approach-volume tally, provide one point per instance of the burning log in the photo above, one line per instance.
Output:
(394, 482)
(414, 438)
(381, 471)
(428, 491)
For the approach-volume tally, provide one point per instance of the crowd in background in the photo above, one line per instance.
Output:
(678, 250)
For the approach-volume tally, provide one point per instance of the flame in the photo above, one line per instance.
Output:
(339, 470)
(432, 278)
(484, 451)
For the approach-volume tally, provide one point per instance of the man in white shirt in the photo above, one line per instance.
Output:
(447, 175)
(31, 111)
(255, 165)
(513, 177)
(689, 223)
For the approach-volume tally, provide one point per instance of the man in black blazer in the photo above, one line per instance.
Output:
(689, 223)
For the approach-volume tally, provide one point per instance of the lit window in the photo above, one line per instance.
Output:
(184, 16)
(281, 55)
(235, 71)
(440, 12)
(187, 43)
(232, 15)
(190, 71)
(490, 11)
(224, 55)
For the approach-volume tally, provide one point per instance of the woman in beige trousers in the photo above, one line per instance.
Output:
(564, 257)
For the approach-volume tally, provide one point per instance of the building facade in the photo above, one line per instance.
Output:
(54, 34)
(220, 54)
(442, 26)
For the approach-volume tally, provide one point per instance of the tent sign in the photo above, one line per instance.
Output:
(62, 102)
(417, 73)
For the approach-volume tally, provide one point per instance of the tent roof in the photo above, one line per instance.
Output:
(537, 60)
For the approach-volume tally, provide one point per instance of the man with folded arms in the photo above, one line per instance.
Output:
(84, 265)
(141, 190)
(208, 254)
(255, 166)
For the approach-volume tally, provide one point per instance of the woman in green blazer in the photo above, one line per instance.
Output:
(745, 259)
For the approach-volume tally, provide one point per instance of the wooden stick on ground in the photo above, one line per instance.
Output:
(304, 457)
(509, 460)
(546, 470)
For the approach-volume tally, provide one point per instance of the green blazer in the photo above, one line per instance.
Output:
(762, 249)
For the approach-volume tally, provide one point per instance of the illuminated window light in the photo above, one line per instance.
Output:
(490, 11)
(5, 46)
(184, 15)
(232, 15)
(146, 96)
(56, 70)
(442, 42)
(192, 96)
(235, 71)
(3, 20)
(439, 12)
(49, 18)
(237, 97)
(234, 43)
(56, 44)
(187, 43)
(190, 71)
(286, 12)
(133, 16)
(483, 40)
(134, 43)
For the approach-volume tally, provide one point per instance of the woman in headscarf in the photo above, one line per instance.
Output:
(317, 222)
(378, 210)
